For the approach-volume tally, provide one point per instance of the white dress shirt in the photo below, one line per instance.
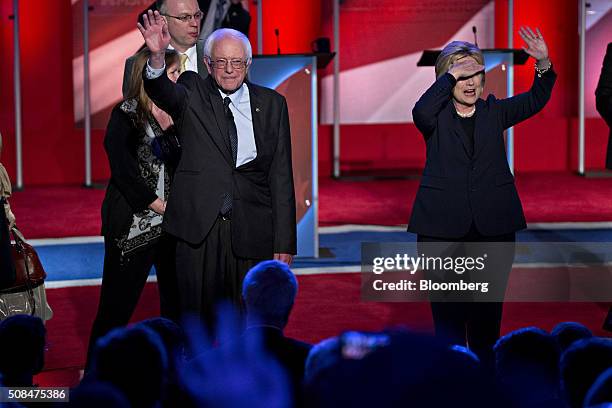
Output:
(241, 109)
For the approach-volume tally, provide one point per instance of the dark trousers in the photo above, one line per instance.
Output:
(123, 280)
(210, 273)
(473, 321)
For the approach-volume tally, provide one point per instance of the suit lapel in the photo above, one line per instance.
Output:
(480, 135)
(458, 131)
(220, 138)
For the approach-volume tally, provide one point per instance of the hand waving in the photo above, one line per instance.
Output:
(465, 68)
(536, 46)
(154, 31)
(238, 373)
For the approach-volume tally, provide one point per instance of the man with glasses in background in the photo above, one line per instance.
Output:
(233, 201)
(183, 18)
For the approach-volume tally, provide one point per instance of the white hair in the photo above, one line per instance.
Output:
(227, 32)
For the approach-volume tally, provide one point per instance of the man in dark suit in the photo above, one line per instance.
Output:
(233, 200)
(183, 19)
(269, 292)
(603, 99)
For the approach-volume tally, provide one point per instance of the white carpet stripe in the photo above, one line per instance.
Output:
(74, 283)
(569, 225)
(338, 229)
(66, 241)
(318, 271)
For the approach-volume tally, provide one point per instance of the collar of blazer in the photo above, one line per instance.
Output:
(257, 113)
(202, 70)
(480, 119)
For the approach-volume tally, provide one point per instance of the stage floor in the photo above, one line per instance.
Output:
(558, 206)
(69, 211)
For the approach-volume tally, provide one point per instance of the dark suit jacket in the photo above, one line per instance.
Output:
(263, 211)
(603, 98)
(127, 70)
(237, 18)
(456, 188)
(127, 192)
(290, 353)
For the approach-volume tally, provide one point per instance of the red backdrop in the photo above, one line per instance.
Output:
(53, 148)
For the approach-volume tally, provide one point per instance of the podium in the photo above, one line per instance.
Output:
(295, 77)
(500, 79)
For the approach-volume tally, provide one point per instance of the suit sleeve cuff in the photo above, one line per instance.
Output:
(450, 78)
(152, 73)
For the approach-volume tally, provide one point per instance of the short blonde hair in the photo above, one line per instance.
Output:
(454, 51)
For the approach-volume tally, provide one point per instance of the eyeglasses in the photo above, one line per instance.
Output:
(187, 17)
(222, 63)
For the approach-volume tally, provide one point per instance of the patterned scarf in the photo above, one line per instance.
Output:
(146, 225)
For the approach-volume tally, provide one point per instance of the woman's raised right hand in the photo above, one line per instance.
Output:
(465, 68)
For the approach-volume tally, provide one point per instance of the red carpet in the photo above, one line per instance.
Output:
(546, 197)
(326, 305)
(44, 212)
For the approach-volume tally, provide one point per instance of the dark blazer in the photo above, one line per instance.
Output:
(457, 189)
(292, 354)
(603, 98)
(263, 210)
(127, 70)
(237, 18)
(127, 192)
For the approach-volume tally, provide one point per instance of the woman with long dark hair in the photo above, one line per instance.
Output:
(134, 205)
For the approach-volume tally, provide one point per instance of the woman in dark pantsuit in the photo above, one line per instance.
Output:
(467, 192)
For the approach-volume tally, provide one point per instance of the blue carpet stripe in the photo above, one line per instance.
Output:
(84, 261)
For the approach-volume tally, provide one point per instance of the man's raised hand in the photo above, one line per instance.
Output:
(154, 30)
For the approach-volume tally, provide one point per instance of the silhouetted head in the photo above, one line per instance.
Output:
(22, 349)
(527, 364)
(170, 333)
(96, 394)
(566, 333)
(269, 290)
(600, 393)
(393, 369)
(134, 360)
(581, 364)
